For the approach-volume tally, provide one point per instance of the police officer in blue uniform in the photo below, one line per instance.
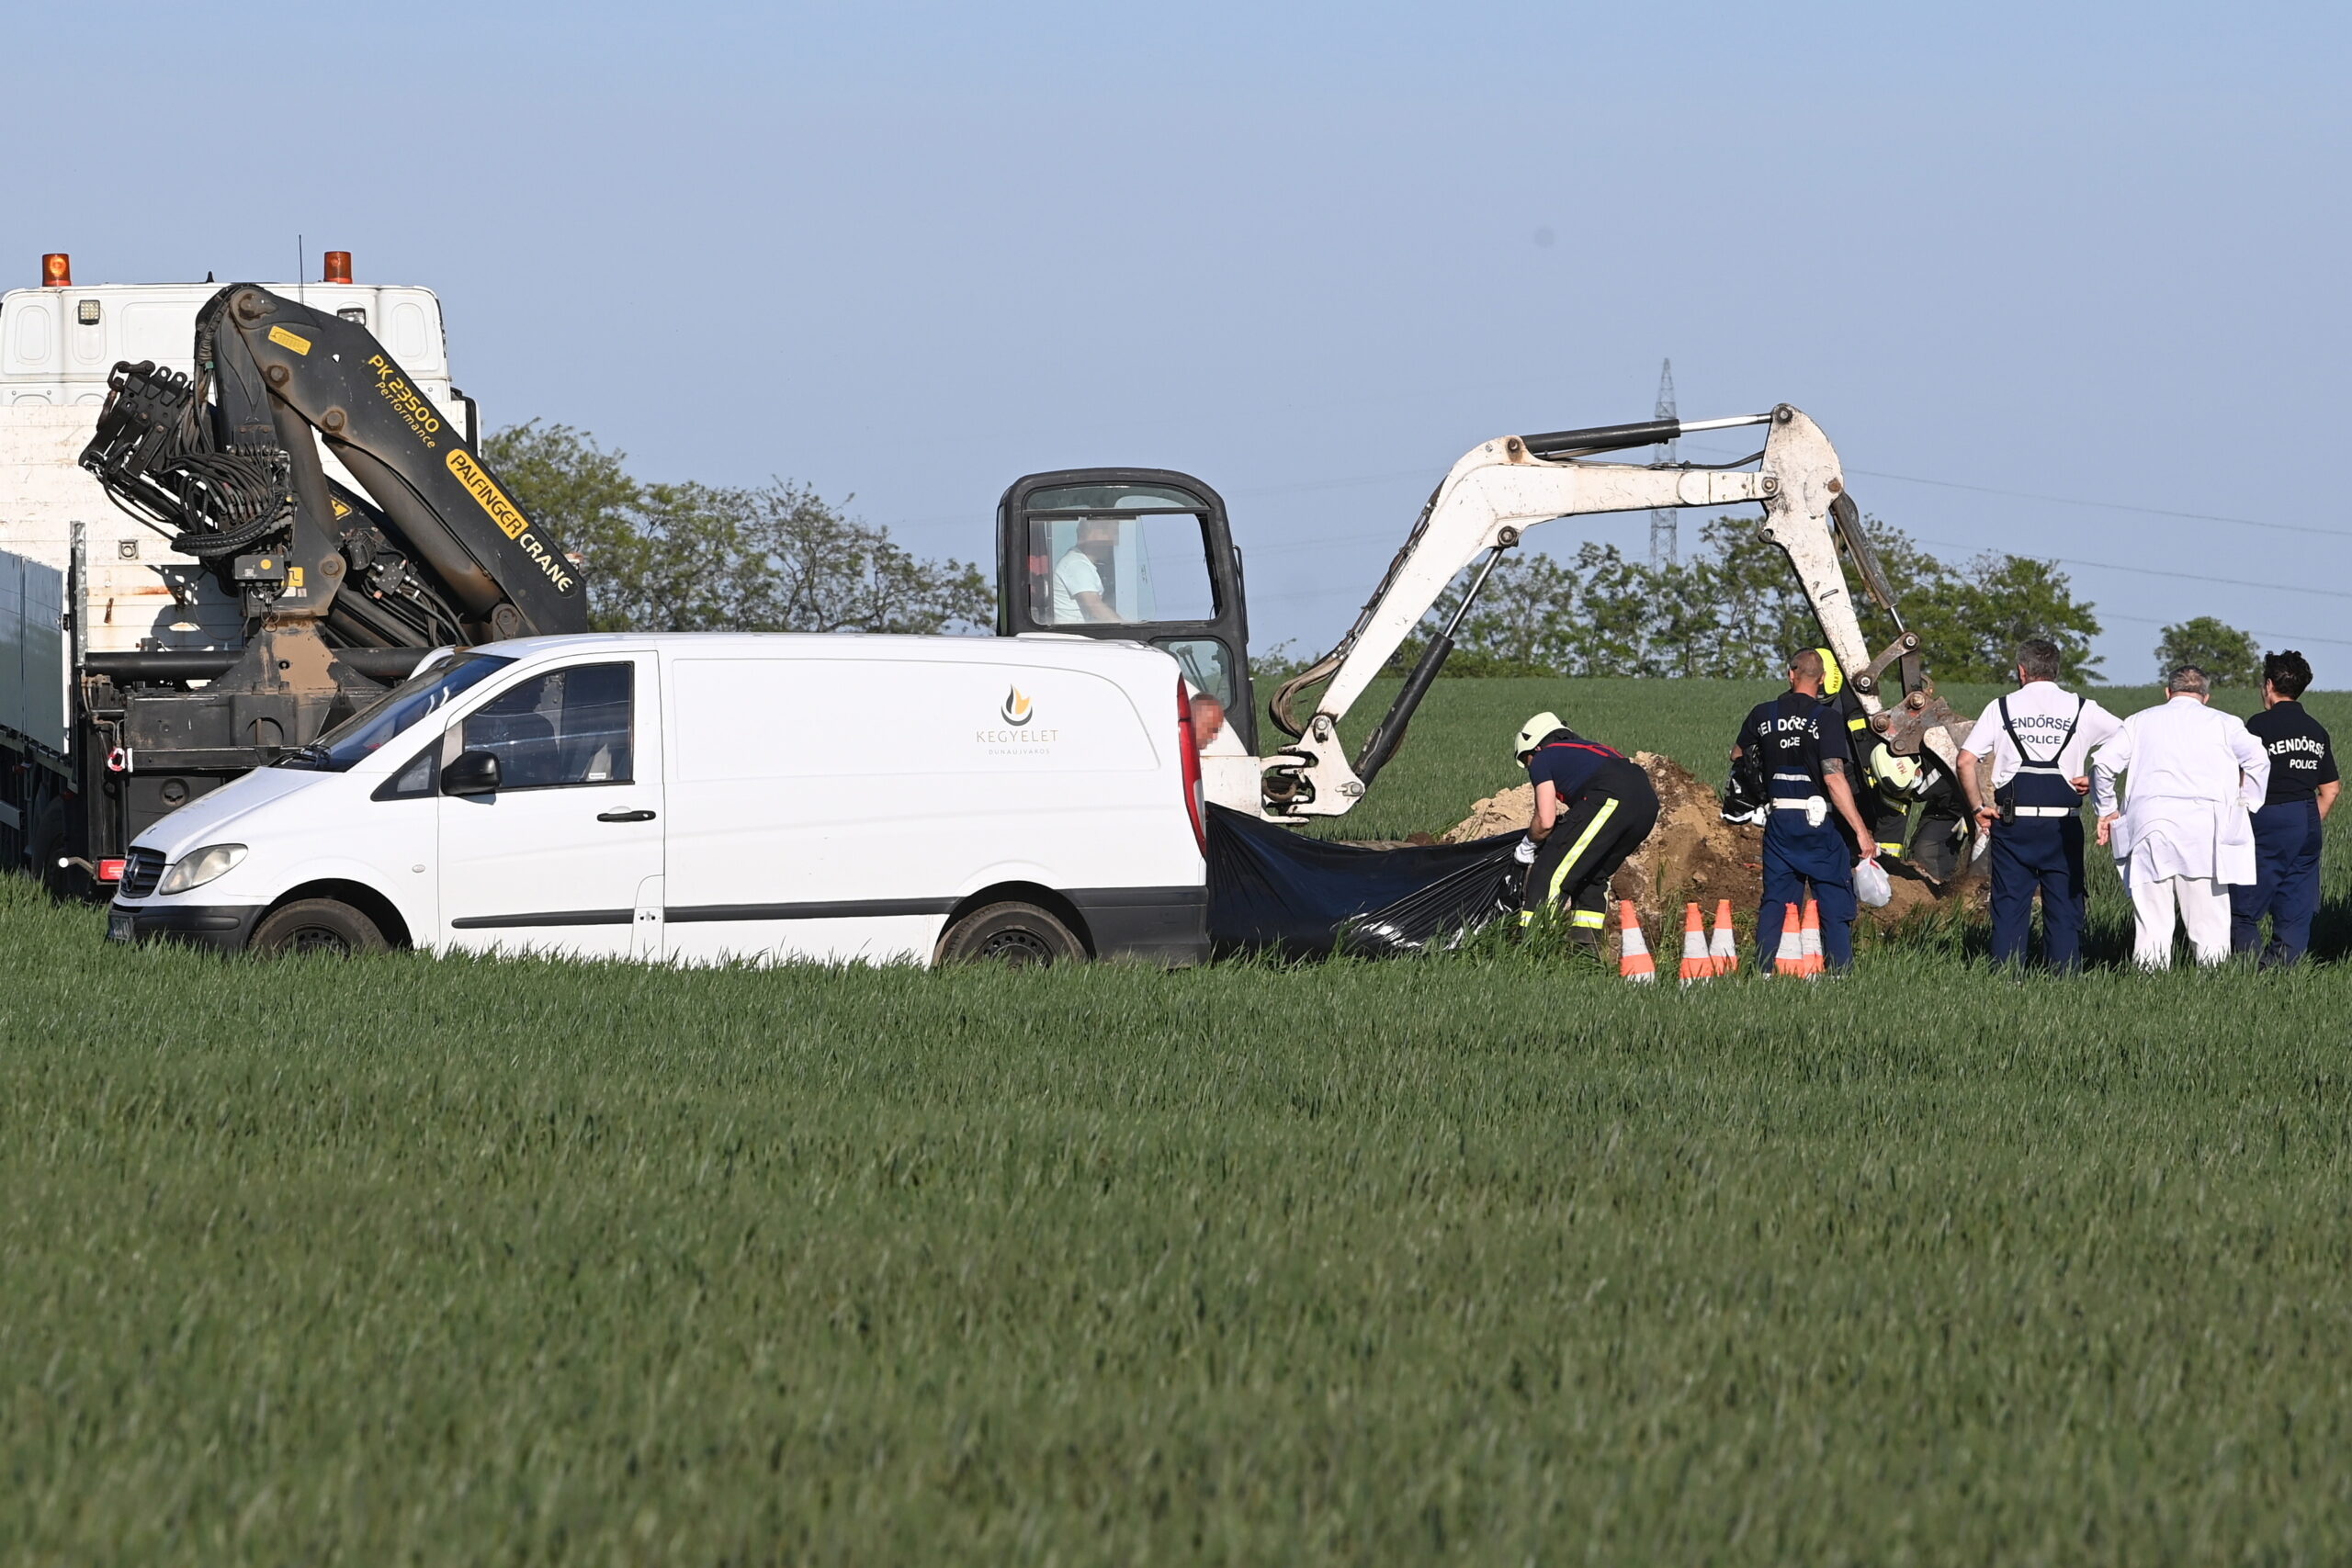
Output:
(1799, 741)
(1593, 807)
(2037, 741)
(2303, 787)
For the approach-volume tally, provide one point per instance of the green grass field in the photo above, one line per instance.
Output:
(1476, 1257)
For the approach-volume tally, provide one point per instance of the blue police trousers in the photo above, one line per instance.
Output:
(1802, 861)
(2285, 883)
(2044, 853)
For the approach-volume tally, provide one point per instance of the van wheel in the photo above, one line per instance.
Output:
(317, 925)
(1013, 934)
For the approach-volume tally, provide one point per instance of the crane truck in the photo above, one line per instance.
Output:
(1157, 548)
(230, 517)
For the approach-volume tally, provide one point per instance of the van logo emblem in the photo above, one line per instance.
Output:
(1018, 709)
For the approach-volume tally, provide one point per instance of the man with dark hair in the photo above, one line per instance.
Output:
(2037, 740)
(2303, 787)
(1798, 742)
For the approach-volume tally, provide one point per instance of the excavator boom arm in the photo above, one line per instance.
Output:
(1486, 504)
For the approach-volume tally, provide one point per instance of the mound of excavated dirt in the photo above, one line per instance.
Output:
(1691, 855)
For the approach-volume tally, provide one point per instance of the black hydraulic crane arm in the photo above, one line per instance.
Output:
(247, 473)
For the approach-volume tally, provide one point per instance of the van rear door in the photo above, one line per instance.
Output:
(565, 855)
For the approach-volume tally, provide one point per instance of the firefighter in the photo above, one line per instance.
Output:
(1940, 839)
(1799, 741)
(1878, 773)
(1593, 807)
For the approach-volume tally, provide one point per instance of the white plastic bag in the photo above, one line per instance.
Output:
(1870, 884)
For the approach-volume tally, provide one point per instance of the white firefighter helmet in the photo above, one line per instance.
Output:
(1531, 734)
(1896, 774)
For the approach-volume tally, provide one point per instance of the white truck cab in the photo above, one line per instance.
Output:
(82, 583)
(712, 798)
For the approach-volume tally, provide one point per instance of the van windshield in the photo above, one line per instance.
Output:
(420, 696)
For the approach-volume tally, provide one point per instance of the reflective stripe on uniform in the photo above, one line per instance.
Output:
(2049, 810)
(1575, 854)
(1589, 919)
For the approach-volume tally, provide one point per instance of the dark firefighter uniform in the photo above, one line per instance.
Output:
(1937, 843)
(2285, 836)
(1607, 808)
(1886, 821)
(1793, 738)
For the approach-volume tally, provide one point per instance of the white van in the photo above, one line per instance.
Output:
(701, 798)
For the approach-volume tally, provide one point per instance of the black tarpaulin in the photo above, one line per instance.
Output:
(1270, 887)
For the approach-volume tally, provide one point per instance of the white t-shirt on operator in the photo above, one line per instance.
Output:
(1074, 574)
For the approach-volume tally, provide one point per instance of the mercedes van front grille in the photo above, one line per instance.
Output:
(141, 872)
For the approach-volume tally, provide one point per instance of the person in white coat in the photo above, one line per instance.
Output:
(2186, 833)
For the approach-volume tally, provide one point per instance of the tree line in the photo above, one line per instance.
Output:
(778, 556)
(1733, 608)
(697, 557)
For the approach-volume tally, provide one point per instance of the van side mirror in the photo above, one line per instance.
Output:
(474, 773)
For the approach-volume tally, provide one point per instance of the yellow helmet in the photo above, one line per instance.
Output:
(1833, 680)
(1532, 734)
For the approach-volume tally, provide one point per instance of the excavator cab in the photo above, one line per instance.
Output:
(1140, 554)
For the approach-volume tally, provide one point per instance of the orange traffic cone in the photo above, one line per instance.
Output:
(1813, 961)
(1696, 965)
(1634, 961)
(1789, 960)
(1723, 952)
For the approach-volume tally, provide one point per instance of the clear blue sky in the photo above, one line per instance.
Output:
(911, 251)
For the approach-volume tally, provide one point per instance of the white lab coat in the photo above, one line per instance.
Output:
(2197, 776)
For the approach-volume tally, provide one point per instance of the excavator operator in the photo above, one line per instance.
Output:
(1800, 743)
(1593, 807)
(1082, 578)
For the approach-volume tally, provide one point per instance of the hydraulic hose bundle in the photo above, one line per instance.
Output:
(154, 453)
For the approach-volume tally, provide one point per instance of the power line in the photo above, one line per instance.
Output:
(2284, 639)
(1354, 482)
(2100, 505)
(2109, 505)
(2153, 571)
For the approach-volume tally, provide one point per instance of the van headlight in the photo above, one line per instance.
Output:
(197, 867)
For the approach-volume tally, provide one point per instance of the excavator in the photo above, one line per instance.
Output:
(342, 590)
(1140, 553)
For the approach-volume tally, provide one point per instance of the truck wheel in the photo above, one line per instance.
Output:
(1013, 934)
(317, 925)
